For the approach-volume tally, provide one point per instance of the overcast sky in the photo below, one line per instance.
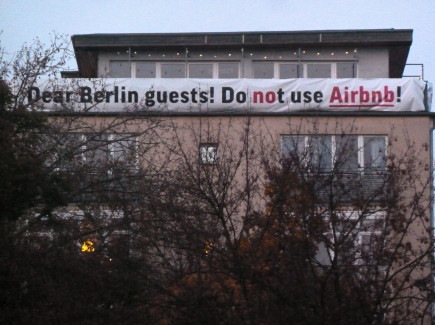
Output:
(21, 21)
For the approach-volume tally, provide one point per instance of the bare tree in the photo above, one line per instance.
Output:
(253, 232)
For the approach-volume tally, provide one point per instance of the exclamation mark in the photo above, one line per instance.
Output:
(211, 95)
(399, 90)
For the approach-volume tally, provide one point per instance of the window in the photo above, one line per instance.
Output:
(201, 70)
(68, 151)
(173, 70)
(155, 69)
(145, 70)
(228, 70)
(374, 154)
(289, 70)
(263, 70)
(107, 151)
(208, 153)
(344, 153)
(320, 152)
(346, 70)
(356, 235)
(318, 70)
(120, 69)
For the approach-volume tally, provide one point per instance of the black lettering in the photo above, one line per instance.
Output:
(194, 93)
(149, 98)
(98, 97)
(318, 97)
(295, 96)
(46, 96)
(123, 95)
(203, 97)
(162, 97)
(85, 95)
(133, 97)
(185, 97)
(108, 94)
(227, 95)
(280, 94)
(58, 96)
(116, 94)
(33, 91)
(173, 97)
(241, 97)
(307, 96)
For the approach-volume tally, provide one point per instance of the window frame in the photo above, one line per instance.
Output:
(203, 156)
(158, 68)
(86, 152)
(359, 229)
(360, 151)
(303, 68)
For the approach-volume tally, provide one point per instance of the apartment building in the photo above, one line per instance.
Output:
(326, 99)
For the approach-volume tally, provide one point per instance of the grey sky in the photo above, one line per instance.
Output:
(21, 21)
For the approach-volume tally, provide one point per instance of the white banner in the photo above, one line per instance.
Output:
(230, 95)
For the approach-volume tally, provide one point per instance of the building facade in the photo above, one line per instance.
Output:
(331, 104)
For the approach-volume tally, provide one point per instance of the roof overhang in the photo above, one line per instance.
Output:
(398, 42)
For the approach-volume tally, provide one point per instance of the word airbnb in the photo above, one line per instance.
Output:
(362, 97)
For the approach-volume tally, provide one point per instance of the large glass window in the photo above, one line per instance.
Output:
(120, 69)
(345, 70)
(228, 70)
(201, 70)
(318, 70)
(343, 153)
(173, 70)
(289, 70)
(263, 70)
(145, 70)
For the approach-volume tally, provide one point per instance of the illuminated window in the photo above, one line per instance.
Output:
(88, 247)
(208, 153)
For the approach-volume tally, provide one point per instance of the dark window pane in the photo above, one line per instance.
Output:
(321, 152)
(346, 154)
(292, 147)
(97, 149)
